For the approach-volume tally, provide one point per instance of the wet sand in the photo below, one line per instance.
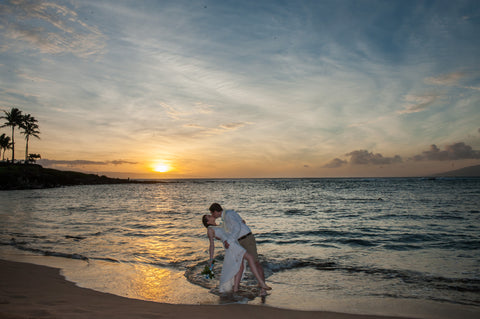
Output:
(32, 291)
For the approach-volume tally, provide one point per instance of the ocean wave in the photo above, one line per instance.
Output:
(361, 200)
(278, 265)
(370, 238)
(465, 284)
(23, 246)
(339, 220)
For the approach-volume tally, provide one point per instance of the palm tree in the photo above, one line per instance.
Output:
(14, 118)
(4, 144)
(30, 128)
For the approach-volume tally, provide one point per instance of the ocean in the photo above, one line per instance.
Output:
(402, 246)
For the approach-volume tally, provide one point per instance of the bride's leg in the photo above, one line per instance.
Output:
(238, 278)
(253, 267)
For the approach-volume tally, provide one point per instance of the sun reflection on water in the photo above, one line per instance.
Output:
(166, 285)
(152, 283)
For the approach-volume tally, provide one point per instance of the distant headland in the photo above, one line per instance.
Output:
(33, 176)
(470, 171)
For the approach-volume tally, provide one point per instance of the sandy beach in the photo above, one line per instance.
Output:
(32, 291)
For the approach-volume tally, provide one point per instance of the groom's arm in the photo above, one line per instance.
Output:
(234, 223)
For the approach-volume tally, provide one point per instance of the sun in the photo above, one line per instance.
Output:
(161, 168)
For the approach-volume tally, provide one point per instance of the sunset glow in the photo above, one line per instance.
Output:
(244, 88)
(161, 168)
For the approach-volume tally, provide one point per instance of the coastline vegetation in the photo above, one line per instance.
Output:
(31, 176)
(19, 176)
(28, 126)
(25, 174)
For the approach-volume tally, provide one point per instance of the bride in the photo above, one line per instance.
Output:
(233, 267)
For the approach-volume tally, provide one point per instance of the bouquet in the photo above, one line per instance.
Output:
(208, 271)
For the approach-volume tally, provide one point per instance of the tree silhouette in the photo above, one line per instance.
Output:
(5, 144)
(14, 118)
(30, 128)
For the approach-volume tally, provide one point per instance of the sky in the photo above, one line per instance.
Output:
(245, 89)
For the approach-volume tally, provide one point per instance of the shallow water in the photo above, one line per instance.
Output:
(325, 239)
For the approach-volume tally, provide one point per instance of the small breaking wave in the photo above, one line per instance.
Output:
(471, 285)
(23, 246)
(248, 289)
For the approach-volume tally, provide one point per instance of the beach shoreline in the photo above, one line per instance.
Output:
(346, 252)
(29, 290)
(36, 286)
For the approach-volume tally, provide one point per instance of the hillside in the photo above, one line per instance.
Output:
(31, 176)
(470, 171)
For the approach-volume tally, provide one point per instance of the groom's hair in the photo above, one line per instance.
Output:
(215, 207)
(205, 221)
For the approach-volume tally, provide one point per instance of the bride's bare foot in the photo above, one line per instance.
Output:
(265, 287)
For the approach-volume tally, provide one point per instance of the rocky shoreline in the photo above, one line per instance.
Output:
(33, 176)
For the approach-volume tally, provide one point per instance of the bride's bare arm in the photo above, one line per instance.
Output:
(211, 249)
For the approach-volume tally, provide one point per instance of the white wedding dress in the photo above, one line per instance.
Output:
(232, 260)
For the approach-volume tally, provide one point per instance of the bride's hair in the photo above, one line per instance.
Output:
(205, 221)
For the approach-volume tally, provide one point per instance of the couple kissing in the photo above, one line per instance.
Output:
(239, 244)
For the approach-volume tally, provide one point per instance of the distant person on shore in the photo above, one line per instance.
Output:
(239, 231)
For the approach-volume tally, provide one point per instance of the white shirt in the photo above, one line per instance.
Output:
(234, 224)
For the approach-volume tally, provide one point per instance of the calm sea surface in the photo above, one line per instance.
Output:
(319, 239)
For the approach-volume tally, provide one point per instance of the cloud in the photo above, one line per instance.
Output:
(364, 157)
(48, 27)
(120, 162)
(452, 79)
(476, 88)
(335, 163)
(232, 125)
(32, 78)
(200, 130)
(418, 103)
(456, 151)
(48, 162)
(446, 79)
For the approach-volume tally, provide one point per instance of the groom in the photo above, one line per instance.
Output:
(238, 228)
